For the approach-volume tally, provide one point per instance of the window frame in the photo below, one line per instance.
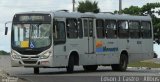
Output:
(118, 28)
(55, 22)
(149, 31)
(76, 27)
(139, 29)
(115, 23)
(80, 26)
(102, 27)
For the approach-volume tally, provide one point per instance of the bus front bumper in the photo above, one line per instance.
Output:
(29, 62)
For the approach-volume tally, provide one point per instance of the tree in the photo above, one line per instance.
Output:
(88, 6)
(4, 52)
(132, 10)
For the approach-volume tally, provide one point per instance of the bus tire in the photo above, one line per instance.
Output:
(123, 64)
(36, 70)
(70, 66)
(90, 67)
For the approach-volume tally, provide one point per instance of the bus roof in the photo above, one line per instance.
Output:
(102, 16)
(65, 14)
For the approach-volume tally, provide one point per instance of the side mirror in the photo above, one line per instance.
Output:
(6, 30)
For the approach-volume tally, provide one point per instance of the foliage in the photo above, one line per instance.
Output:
(133, 10)
(88, 6)
(4, 53)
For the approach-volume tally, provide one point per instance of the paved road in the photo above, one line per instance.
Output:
(60, 75)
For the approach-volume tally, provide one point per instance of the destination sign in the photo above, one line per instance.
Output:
(32, 18)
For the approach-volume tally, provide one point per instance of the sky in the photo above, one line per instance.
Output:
(9, 7)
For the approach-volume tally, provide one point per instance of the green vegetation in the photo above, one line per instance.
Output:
(88, 6)
(4, 52)
(144, 64)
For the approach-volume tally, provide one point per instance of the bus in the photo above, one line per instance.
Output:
(61, 39)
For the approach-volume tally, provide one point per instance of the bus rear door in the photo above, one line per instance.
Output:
(88, 35)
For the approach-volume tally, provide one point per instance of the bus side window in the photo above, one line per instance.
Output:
(72, 28)
(85, 28)
(110, 29)
(80, 28)
(100, 28)
(146, 29)
(59, 34)
(123, 29)
(134, 29)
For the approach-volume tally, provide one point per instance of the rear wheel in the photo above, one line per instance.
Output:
(70, 66)
(90, 67)
(123, 64)
(36, 70)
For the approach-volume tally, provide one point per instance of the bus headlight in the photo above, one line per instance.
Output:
(45, 56)
(15, 56)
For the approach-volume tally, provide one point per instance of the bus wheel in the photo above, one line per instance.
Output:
(90, 67)
(70, 66)
(123, 64)
(36, 70)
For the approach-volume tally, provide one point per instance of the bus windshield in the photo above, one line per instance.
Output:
(31, 35)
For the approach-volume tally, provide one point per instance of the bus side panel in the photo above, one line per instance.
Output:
(147, 49)
(107, 51)
(79, 45)
(60, 57)
(135, 49)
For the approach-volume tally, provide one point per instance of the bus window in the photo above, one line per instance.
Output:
(59, 34)
(80, 29)
(72, 29)
(100, 28)
(90, 28)
(134, 30)
(110, 29)
(123, 29)
(146, 29)
(85, 28)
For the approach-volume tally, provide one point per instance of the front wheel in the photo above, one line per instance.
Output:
(122, 66)
(36, 70)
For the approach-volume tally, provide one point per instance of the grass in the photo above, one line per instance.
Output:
(144, 64)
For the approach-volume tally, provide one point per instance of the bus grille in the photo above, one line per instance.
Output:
(29, 62)
(30, 57)
(30, 52)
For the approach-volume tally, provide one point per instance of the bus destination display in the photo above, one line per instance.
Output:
(32, 18)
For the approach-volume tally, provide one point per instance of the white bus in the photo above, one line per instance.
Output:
(64, 39)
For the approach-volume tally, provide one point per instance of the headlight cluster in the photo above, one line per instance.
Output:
(45, 56)
(15, 56)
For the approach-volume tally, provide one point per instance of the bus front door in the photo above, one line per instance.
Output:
(88, 35)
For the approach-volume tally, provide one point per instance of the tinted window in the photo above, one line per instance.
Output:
(134, 29)
(123, 29)
(80, 29)
(90, 28)
(100, 28)
(110, 29)
(146, 29)
(85, 28)
(72, 28)
(59, 34)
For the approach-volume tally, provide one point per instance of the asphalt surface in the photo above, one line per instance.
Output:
(60, 75)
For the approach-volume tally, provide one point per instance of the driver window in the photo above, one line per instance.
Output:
(59, 34)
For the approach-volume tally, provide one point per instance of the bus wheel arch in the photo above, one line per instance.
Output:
(123, 62)
(73, 60)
